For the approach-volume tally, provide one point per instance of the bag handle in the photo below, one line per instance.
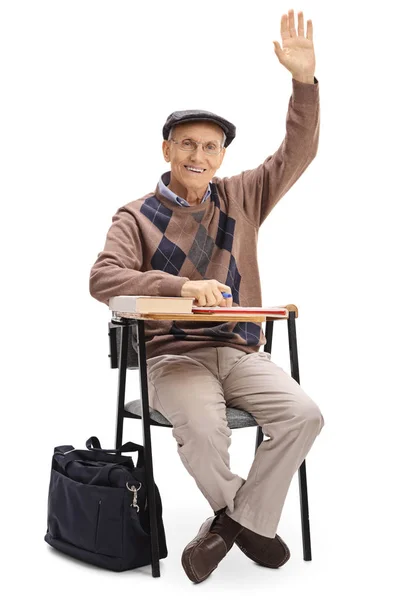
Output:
(95, 452)
(102, 477)
(93, 443)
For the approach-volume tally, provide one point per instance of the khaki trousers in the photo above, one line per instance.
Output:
(192, 391)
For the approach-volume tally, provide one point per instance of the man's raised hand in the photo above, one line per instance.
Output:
(297, 52)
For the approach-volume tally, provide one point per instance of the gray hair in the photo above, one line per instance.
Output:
(223, 136)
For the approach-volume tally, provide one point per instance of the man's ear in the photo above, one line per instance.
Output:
(222, 155)
(166, 150)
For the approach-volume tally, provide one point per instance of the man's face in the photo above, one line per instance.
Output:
(199, 131)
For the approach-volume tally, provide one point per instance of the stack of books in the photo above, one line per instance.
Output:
(142, 305)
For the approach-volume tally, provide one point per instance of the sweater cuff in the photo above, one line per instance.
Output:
(171, 286)
(305, 93)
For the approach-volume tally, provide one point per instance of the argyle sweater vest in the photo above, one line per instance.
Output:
(154, 245)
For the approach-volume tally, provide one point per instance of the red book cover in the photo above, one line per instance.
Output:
(259, 310)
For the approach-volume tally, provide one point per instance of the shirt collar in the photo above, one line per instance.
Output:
(162, 185)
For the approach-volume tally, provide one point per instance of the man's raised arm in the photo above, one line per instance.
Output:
(258, 190)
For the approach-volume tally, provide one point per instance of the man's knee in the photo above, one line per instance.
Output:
(310, 414)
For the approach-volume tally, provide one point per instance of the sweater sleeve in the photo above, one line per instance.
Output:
(258, 190)
(117, 270)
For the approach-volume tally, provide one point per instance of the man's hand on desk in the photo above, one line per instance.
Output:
(208, 292)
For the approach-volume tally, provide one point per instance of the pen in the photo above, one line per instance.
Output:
(226, 295)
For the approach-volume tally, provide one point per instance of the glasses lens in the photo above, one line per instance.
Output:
(188, 145)
(212, 148)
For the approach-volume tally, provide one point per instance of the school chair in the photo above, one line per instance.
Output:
(127, 352)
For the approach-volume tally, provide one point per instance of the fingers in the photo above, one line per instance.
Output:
(284, 27)
(225, 301)
(210, 293)
(300, 26)
(211, 297)
(292, 27)
(309, 30)
(288, 27)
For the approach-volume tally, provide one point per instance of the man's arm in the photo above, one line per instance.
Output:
(258, 190)
(116, 271)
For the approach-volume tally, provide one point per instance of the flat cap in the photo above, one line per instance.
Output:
(183, 116)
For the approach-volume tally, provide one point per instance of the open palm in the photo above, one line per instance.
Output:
(297, 52)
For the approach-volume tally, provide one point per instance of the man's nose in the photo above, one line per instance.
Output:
(198, 152)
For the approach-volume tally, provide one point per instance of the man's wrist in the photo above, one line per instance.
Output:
(304, 78)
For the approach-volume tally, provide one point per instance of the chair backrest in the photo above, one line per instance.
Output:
(114, 333)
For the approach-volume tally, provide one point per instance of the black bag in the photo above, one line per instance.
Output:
(97, 507)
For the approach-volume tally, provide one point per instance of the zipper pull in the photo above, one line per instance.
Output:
(135, 491)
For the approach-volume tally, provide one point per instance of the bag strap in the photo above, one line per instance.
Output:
(93, 443)
(102, 477)
(93, 455)
(95, 452)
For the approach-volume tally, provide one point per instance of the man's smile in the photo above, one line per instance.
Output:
(196, 170)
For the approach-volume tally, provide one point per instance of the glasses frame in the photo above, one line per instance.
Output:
(202, 144)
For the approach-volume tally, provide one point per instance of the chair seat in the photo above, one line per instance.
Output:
(236, 418)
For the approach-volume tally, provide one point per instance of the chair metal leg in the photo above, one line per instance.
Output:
(148, 461)
(259, 437)
(123, 361)
(294, 365)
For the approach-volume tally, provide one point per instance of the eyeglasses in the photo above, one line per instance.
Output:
(188, 145)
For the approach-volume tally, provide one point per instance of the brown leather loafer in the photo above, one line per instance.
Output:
(268, 552)
(214, 540)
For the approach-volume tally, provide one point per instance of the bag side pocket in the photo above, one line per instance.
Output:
(110, 522)
(72, 511)
(87, 516)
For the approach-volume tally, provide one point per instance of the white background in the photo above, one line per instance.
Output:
(85, 89)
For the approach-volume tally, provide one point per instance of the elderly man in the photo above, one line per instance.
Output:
(196, 235)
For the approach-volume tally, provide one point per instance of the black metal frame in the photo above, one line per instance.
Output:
(129, 359)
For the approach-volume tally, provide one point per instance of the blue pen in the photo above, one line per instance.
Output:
(226, 295)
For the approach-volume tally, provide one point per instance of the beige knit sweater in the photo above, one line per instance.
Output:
(154, 245)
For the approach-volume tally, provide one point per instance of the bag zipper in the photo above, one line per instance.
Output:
(97, 522)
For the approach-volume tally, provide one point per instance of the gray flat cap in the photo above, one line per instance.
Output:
(183, 116)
